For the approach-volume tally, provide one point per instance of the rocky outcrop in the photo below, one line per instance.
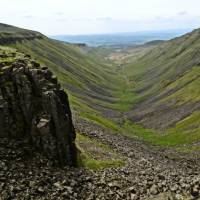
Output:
(34, 107)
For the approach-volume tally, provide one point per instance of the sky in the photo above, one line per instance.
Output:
(56, 17)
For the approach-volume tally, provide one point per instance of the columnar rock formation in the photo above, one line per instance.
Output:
(34, 107)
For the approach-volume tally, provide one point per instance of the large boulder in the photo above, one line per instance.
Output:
(33, 106)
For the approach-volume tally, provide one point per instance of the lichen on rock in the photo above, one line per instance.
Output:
(33, 106)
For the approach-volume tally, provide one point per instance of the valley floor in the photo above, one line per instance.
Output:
(148, 173)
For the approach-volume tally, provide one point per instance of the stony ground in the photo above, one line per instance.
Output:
(149, 173)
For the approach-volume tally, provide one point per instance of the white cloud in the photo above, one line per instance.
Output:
(28, 16)
(97, 16)
(183, 13)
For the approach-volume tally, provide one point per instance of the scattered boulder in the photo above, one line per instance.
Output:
(195, 190)
(154, 190)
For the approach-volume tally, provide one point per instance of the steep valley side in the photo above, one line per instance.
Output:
(154, 88)
(151, 95)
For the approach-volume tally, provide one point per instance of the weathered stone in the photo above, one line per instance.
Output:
(58, 186)
(33, 106)
(195, 190)
(154, 190)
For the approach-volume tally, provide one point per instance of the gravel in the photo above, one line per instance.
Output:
(149, 173)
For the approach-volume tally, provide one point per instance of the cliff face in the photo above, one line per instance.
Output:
(34, 107)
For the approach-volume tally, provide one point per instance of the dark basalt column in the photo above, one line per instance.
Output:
(34, 107)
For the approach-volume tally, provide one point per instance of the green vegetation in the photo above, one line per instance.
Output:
(10, 33)
(189, 87)
(100, 121)
(186, 131)
(126, 99)
(148, 81)
(95, 155)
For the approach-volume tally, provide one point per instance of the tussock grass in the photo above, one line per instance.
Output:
(95, 155)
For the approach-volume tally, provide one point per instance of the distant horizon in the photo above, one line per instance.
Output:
(124, 33)
(90, 17)
(184, 30)
(121, 39)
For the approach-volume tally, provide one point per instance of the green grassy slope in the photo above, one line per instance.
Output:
(10, 34)
(155, 85)
(88, 79)
(166, 84)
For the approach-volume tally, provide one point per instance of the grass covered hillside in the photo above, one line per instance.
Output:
(10, 34)
(166, 83)
(151, 91)
(89, 81)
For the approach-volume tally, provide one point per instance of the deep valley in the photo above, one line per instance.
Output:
(135, 110)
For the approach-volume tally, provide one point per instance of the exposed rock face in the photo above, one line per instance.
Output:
(34, 107)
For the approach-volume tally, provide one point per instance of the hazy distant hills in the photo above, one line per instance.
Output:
(121, 39)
